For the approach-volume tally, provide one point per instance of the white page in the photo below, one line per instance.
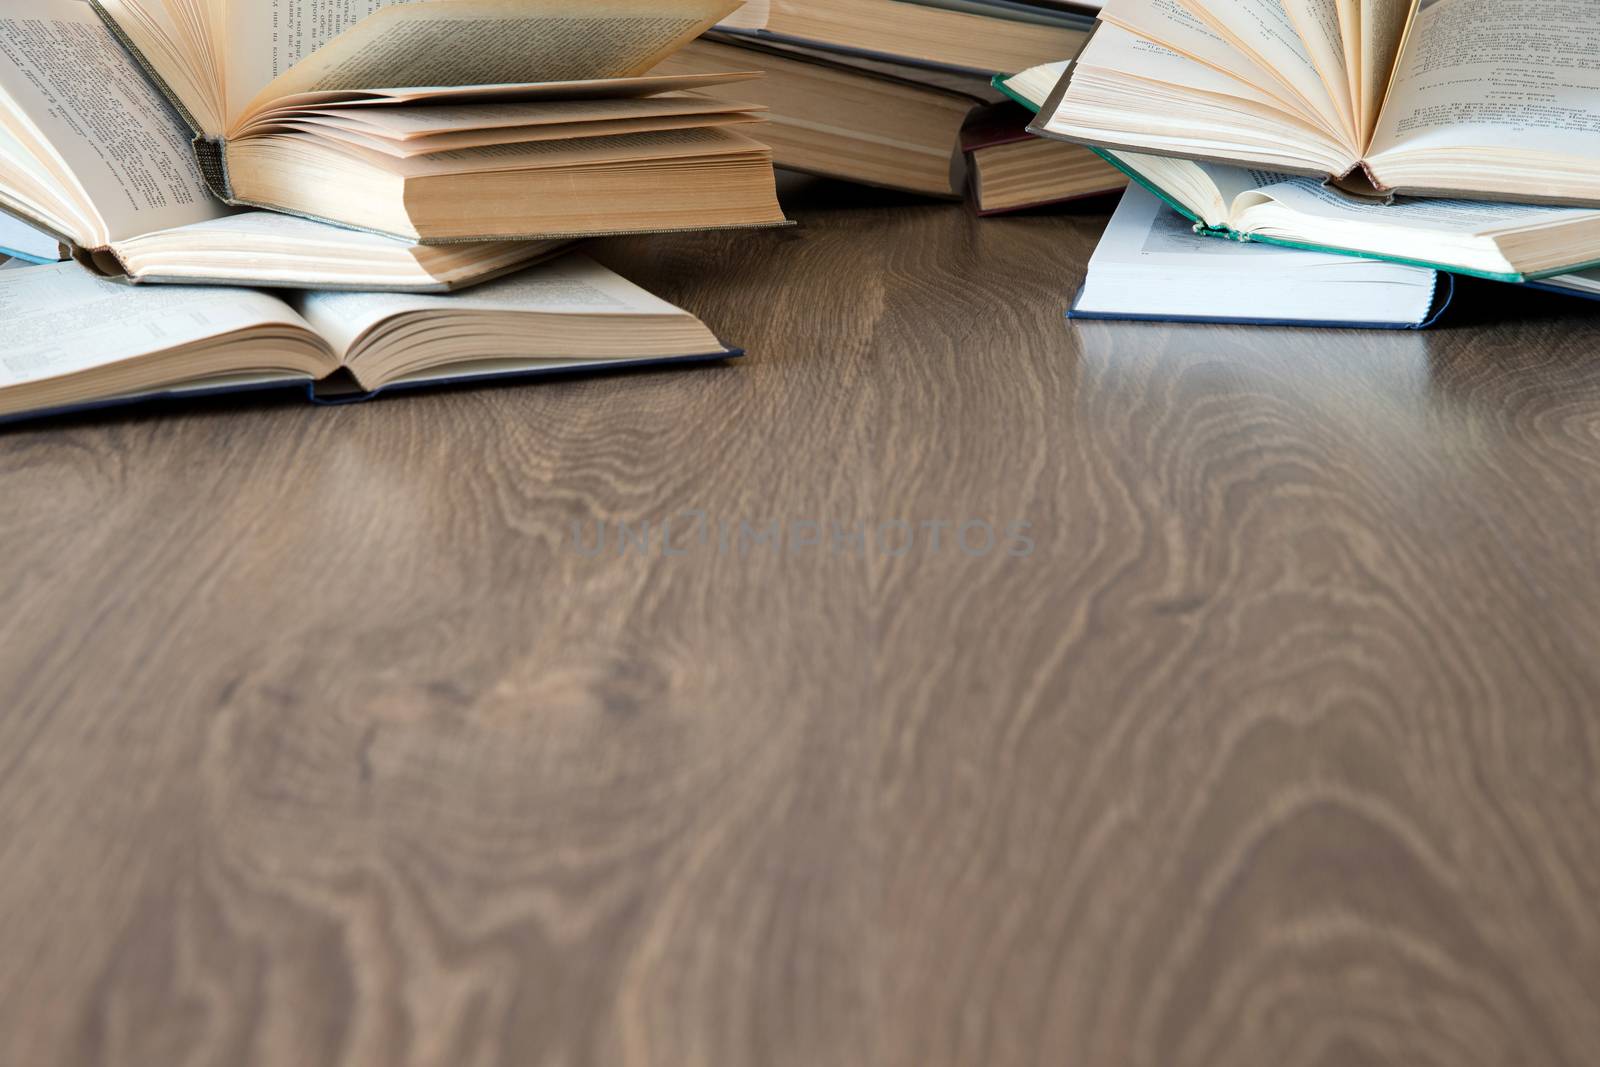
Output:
(1519, 74)
(1458, 217)
(1151, 262)
(91, 102)
(572, 285)
(324, 45)
(60, 319)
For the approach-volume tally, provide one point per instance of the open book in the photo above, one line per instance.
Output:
(447, 120)
(1484, 99)
(1505, 242)
(94, 164)
(1152, 266)
(76, 341)
(1501, 241)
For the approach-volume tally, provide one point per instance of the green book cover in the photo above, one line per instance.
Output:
(1002, 83)
(1231, 234)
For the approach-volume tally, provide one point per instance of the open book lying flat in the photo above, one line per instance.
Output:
(77, 341)
(1483, 99)
(1503, 241)
(438, 121)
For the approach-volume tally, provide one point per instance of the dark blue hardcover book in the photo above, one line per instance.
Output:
(84, 343)
(324, 395)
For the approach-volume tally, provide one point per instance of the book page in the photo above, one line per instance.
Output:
(1172, 25)
(1133, 53)
(1466, 218)
(1513, 74)
(1263, 31)
(187, 63)
(1383, 27)
(1317, 23)
(60, 320)
(282, 47)
(111, 129)
(572, 285)
(257, 231)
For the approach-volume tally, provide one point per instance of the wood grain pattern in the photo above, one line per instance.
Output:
(322, 744)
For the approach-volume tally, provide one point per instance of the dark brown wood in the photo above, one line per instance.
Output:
(322, 743)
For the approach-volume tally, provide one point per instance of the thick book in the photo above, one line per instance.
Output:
(976, 36)
(1486, 239)
(94, 165)
(77, 341)
(1453, 98)
(1152, 267)
(1503, 242)
(442, 120)
(863, 121)
(1012, 170)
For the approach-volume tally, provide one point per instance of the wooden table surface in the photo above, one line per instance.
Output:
(326, 737)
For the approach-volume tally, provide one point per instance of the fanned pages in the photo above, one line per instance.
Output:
(267, 87)
(91, 158)
(75, 340)
(1487, 99)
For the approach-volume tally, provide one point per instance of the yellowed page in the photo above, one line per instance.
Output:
(1317, 23)
(406, 123)
(1350, 35)
(369, 44)
(642, 149)
(1170, 24)
(103, 121)
(1383, 27)
(573, 285)
(1263, 31)
(168, 49)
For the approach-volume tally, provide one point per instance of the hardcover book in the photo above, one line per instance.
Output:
(1502, 241)
(443, 120)
(1151, 266)
(1012, 170)
(77, 341)
(844, 117)
(978, 36)
(1469, 99)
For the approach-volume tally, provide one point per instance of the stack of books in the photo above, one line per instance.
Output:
(898, 93)
(1447, 136)
(155, 153)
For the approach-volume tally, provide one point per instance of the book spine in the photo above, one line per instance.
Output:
(208, 151)
(211, 154)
